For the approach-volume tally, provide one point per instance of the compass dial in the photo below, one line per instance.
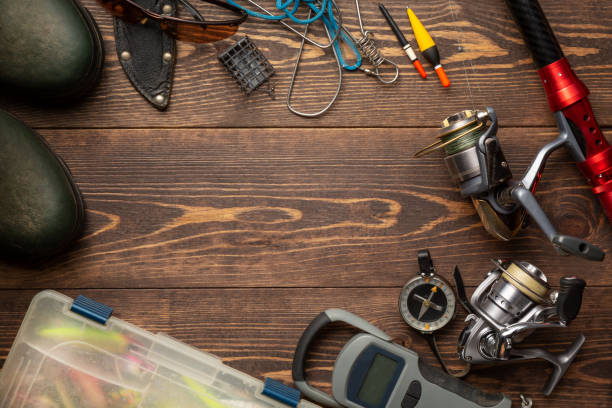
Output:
(427, 303)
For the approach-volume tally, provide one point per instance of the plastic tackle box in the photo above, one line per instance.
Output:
(74, 355)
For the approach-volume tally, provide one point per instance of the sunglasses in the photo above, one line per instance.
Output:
(197, 30)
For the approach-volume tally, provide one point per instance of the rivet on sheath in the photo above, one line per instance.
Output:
(125, 55)
(159, 98)
(167, 56)
(167, 9)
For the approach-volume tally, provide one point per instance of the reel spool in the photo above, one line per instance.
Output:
(528, 280)
(475, 161)
(454, 128)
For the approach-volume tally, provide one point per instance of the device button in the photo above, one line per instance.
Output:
(413, 395)
(415, 390)
(409, 401)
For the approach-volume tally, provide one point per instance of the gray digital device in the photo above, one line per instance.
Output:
(373, 372)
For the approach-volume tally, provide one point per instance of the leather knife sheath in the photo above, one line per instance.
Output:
(147, 54)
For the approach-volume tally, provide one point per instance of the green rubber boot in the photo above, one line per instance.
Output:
(51, 49)
(41, 209)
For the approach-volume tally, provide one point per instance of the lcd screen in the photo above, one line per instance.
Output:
(377, 380)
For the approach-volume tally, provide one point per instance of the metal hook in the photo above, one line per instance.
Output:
(271, 91)
(295, 70)
(380, 77)
(369, 50)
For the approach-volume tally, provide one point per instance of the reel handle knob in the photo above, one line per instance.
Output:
(578, 247)
(570, 298)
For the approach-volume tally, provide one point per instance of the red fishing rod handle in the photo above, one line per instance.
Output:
(566, 93)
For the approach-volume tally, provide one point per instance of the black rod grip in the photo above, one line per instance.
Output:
(536, 30)
(309, 334)
(570, 298)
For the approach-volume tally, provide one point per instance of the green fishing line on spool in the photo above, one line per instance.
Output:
(464, 142)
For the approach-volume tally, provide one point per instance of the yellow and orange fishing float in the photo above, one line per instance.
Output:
(427, 46)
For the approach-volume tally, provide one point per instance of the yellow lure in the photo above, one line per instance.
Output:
(420, 33)
(61, 390)
(110, 341)
(202, 394)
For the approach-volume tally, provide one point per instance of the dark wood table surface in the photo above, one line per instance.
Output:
(229, 223)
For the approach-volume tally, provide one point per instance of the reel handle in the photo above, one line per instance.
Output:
(570, 298)
(565, 244)
(578, 247)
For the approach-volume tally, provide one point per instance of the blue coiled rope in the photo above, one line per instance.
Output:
(324, 13)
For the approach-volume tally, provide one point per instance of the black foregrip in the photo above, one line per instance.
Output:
(570, 298)
(536, 30)
(309, 334)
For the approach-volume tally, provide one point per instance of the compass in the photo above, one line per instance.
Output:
(427, 303)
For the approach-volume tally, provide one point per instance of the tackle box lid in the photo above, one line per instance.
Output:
(72, 354)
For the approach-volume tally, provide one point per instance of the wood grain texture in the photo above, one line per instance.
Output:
(478, 41)
(287, 207)
(229, 223)
(256, 330)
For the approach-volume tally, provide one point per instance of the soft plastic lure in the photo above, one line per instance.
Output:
(202, 394)
(61, 391)
(90, 388)
(112, 342)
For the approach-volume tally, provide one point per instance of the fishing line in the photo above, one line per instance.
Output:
(463, 49)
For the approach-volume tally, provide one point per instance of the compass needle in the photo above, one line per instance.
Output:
(427, 303)
(436, 307)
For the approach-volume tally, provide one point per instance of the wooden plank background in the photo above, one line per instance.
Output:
(229, 223)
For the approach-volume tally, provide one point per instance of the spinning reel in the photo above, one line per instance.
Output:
(476, 162)
(513, 301)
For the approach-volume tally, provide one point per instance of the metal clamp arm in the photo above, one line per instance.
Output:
(322, 320)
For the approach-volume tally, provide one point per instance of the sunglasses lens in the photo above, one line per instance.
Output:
(124, 10)
(185, 31)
